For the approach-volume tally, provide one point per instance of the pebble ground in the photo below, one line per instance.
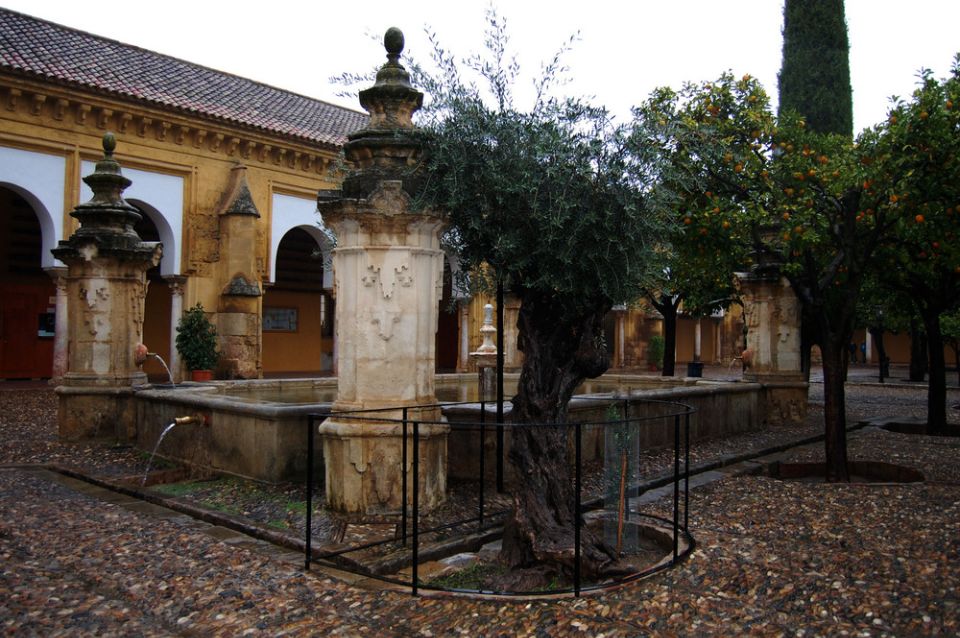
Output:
(773, 558)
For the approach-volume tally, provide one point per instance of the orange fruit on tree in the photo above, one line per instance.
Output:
(918, 219)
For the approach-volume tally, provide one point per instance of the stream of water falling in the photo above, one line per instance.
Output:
(154, 453)
(164, 364)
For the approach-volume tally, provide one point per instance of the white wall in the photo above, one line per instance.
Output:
(40, 179)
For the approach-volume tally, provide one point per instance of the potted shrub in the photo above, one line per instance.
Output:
(655, 350)
(197, 343)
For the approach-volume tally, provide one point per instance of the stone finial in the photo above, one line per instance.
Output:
(487, 331)
(107, 182)
(391, 101)
(107, 219)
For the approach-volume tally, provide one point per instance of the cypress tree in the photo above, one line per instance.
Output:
(814, 77)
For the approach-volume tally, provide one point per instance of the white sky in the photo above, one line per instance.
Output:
(626, 48)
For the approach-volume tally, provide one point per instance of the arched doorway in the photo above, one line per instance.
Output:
(157, 306)
(297, 310)
(27, 294)
(448, 325)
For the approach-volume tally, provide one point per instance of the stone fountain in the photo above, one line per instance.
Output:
(388, 268)
(106, 286)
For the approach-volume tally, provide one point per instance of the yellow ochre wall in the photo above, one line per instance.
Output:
(42, 117)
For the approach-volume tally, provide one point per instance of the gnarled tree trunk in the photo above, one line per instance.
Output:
(560, 351)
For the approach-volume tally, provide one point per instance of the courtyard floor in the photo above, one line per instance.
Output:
(772, 557)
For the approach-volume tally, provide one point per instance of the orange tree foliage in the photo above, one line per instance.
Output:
(817, 207)
(916, 156)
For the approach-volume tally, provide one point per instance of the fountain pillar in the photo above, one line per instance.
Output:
(486, 357)
(772, 316)
(61, 326)
(176, 284)
(106, 285)
(388, 271)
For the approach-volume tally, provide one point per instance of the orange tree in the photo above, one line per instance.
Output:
(916, 153)
(706, 243)
(804, 202)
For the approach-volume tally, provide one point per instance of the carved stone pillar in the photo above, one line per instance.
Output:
(388, 270)
(176, 284)
(463, 359)
(239, 306)
(60, 337)
(772, 316)
(106, 286)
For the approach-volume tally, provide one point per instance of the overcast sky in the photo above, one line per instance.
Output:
(625, 49)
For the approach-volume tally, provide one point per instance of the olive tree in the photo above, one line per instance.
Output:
(549, 202)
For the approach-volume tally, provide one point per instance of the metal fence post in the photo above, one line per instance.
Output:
(576, 513)
(403, 482)
(308, 534)
(676, 485)
(686, 474)
(483, 441)
(416, 503)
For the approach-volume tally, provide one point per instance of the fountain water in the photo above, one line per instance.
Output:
(156, 356)
(178, 421)
(141, 353)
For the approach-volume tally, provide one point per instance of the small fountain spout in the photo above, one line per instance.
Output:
(194, 418)
(141, 353)
(180, 420)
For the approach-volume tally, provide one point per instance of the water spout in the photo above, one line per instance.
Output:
(163, 363)
(141, 353)
(182, 420)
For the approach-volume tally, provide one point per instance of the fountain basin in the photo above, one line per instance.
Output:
(258, 429)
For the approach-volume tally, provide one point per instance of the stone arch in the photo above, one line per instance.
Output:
(165, 235)
(39, 179)
(298, 306)
(290, 212)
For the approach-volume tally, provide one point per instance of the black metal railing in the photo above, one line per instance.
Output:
(636, 421)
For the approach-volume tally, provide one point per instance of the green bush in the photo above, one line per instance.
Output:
(655, 350)
(197, 340)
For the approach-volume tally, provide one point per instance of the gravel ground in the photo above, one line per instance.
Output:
(773, 557)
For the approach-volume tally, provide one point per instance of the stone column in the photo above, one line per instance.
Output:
(388, 271)
(463, 363)
(59, 276)
(239, 305)
(106, 286)
(176, 284)
(619, 350)
(772, 316)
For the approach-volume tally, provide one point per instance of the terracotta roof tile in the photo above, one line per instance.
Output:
(60, 54)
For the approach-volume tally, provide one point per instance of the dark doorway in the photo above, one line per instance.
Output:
(27, 294)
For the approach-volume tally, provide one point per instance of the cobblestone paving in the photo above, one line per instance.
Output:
(773, 557)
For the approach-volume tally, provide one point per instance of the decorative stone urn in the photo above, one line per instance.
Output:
(388, 276)
(486, 356)
(772, 315)
(106, 285)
